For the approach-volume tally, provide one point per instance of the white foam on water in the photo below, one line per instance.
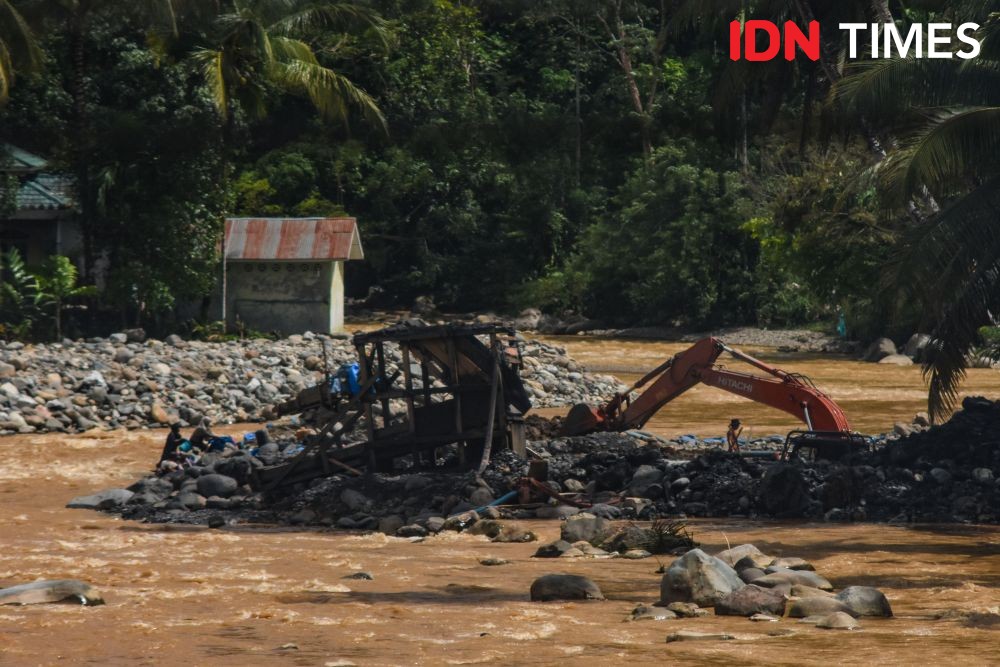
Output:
(571, 650)
(540, 631)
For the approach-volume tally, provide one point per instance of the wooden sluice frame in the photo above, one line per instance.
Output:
(461, 379)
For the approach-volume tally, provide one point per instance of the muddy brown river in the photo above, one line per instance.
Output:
(257, 595)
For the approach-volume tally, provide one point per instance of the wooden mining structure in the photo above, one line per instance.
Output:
(460, 385)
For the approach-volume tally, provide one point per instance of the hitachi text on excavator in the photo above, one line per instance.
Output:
(827, 435)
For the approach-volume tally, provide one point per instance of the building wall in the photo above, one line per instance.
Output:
(287, 297)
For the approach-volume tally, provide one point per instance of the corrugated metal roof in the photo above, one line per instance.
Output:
(45, 192)
(18, 159)
(290, 239)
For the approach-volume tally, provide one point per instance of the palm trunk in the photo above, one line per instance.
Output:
(81, 138)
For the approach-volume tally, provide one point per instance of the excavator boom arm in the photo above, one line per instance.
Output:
(778, 389)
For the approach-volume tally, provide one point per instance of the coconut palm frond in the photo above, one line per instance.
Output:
(212, 64)
(945, 150)
(331, 92)
(322, 18)
(951, 265)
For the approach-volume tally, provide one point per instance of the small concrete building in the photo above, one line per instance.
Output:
(37, 208)
(287, 274)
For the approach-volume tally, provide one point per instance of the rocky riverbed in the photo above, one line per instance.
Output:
(128, 381)
(946, 473)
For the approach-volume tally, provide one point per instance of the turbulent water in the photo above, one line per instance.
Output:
(259, 595)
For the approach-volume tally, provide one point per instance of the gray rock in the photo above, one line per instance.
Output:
(564, 587)
(192, 501)
(941, 476)
(783, 491)
(804, 607)
(644, 477)
(354, 500)
(896, 360)
(837, 621)
(865, 601)
(215, 484)
(735, 556)
(916, 346)
(104, 500)
(411, 530)
(792, 563)
(644, 613)
(118, 338)
(699, 578)
(687, 610)
(434, 524)
(586, 527)
(750, 600)
(879, 349)
(982, 476)
(554, 549)
(777, 576)
(749, 574)
(56, 590)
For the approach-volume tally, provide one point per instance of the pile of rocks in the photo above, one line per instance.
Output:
(128, 381)
(740, 581)
(946, 473)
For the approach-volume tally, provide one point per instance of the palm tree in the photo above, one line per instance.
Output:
(257, 44)
(946, 115)
(18, 49)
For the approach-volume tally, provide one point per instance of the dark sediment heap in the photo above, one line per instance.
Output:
(947, 473)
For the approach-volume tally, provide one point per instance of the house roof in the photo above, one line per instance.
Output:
(37, 190)
(45, 192)
(18, 159)
(291, 239)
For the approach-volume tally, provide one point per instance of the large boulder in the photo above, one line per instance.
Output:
(585, 527)
(754, 556)
(750, 600)
(56, 590)
(699, 578)
(896, 360)
(865, 601)
(816, 606)
(916, 347)
(644, 477)
(783, 491)
(879, 349)
(215, 484)
(778, 575)
(104, 500)
(837, 621)
(564, 587)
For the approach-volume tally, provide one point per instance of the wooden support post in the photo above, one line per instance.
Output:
(456, 385)
(364, 376)
(488, 442)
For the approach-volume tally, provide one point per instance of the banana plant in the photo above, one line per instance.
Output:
(57, 285)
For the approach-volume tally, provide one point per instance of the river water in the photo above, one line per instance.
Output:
(263, 595)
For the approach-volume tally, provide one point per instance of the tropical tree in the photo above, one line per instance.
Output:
(946, 115)
(19, 297)
(57, 285)
(257, 45)
(18, 49)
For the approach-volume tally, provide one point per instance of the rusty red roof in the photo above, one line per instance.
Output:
(289, 239)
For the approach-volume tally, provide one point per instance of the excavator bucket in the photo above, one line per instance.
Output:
(580, 420)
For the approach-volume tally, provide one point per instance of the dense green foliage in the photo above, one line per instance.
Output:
(588, 155)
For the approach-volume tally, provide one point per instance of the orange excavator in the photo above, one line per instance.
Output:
(828, 434)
